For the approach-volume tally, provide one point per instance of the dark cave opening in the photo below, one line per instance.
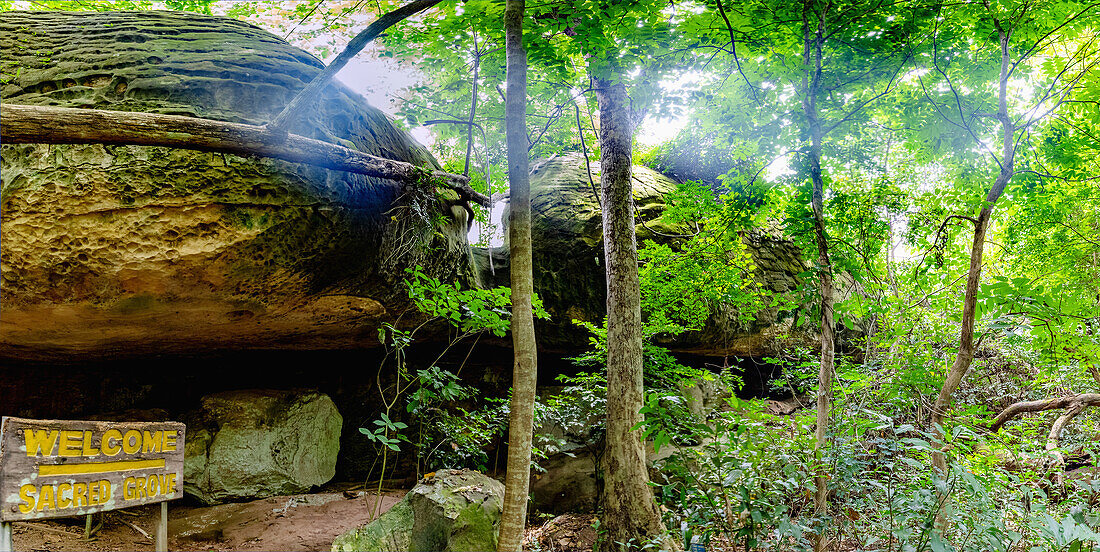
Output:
(173, 386)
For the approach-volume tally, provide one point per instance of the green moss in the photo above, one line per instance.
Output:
(136, 303)
(392, 531)
(285, 229)
(474, 529)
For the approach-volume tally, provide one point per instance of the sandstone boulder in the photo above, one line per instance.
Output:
(567, 230)
(116, 251)
(252, 444)
(452, 510)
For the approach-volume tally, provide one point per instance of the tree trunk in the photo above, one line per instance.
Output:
(813, 37)
(629, 516)
(521, 421)
(973, 277)
(33, 124)
(966, 333)
(473, 107)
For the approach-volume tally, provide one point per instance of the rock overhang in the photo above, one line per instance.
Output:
(115, 251)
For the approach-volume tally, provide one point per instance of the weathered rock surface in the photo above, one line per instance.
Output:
(568, 255)
(453, 510)
(254, 444)
(131, 250)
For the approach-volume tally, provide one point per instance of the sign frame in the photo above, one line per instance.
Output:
(63, 468)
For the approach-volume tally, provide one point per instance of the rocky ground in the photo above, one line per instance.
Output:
(306, 522)
(298, 522)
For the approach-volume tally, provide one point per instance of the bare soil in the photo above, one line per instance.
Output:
(565, 533)
(290, 523)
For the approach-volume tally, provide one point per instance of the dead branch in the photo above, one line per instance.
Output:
(136, 528)
(32, 124)
(1070, 402)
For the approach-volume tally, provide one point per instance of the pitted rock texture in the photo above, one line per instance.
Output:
(132, 250)
(567, 230)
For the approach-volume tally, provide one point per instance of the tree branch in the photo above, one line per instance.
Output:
(360, 41)
(1068, 402)
(733, 51)
(32, 124)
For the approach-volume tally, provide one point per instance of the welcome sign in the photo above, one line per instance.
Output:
(57, 468)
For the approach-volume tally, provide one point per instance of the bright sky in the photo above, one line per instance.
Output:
(381, 81)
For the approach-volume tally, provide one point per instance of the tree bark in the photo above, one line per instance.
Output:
(813, 38)
(278, 125)
(1073, 404)
(973, 278)
(629, 518)
(1067, 402)
(965, 355)
(521, 421)
(31, 124)
(1095, 373)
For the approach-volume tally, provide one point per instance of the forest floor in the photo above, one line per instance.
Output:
(299, 522)
(306, 522)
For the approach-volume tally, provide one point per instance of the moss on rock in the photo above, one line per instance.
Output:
(90, 231)
(452, 510)
(567, 229)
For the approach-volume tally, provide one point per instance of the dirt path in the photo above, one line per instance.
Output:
(292, 523)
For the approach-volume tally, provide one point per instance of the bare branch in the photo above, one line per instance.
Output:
(733, 51)
(360, 41)
(32, 124)
(1069, 401)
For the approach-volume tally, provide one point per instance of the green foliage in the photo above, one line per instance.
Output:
(447, 433)
(742, 484)
(382, 433)
(904, 102)
(750, 484)
(708, 270)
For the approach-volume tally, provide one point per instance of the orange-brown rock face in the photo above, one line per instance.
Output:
(127, 250)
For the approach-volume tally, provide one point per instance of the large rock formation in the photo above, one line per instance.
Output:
(569, 271)
(254, 444)
(129, 250)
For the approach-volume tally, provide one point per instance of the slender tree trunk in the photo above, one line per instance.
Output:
(473, 109)
(629, 516)
(966, 333)
(812, 58)
(520, 424)
(828, 346)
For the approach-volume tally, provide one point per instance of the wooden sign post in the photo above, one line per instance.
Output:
(60, 468)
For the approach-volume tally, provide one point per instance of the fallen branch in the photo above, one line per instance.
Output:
(1071, 402)
(32, 124)
(136, 528)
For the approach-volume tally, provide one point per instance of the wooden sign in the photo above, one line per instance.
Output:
(58, 468)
